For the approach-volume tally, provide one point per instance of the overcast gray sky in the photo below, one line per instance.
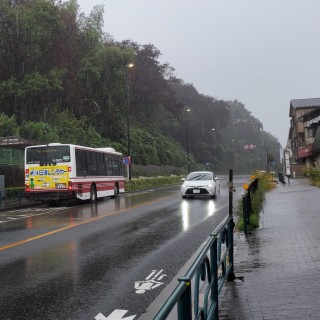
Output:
(261, 52)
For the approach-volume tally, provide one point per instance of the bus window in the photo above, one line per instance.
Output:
(117, 166)
(81, 163)
(48, 155)
(121, 166)
(100, 164)
(109, 165)
(92, 163)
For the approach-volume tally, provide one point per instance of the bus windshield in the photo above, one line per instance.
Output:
(48, 155)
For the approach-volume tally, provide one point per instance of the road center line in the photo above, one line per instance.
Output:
(18, 243)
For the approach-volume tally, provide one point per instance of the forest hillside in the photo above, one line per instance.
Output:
(63, 79)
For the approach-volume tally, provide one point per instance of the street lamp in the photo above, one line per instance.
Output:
(213, 140)
(187, 140)
(232, 154)
(264, 149)
(130, 65)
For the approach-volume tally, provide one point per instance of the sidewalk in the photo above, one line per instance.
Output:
(280, 262)
(16, 204)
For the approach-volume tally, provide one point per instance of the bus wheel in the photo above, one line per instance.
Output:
(116, 191)
(93, 194)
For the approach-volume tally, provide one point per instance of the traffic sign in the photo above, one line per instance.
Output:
(249, 146)
(126, 160)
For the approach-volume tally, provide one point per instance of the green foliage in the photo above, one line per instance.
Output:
(8, 125)
(140, 184)
(257, 200)
(254, 221)
(64, 128)
(155, 148)
(13, 193)
(314, 175)
(66, 80)
(39, 131)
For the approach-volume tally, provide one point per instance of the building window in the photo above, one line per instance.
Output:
(309, 132)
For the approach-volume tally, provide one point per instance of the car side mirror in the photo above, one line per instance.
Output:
(183, 179)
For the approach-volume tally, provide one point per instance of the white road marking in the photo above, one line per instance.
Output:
(115, 315)
(151, 282)
(31, 213)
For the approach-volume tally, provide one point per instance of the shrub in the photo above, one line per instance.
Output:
(145, 183)
(314, 175)
(264, 184)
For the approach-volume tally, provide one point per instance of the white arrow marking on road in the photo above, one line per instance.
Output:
(115, 315)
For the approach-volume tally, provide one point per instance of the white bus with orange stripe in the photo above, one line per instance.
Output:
(56, 171)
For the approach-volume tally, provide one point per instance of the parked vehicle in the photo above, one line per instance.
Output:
(200, 184)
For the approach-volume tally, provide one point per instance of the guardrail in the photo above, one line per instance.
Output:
(201, 285)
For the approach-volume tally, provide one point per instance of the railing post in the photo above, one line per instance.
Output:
(231, 275)
(0, 198)
(19, 195)
(184, 303)
(214, 276)
(249, 201)
(231, 190)
(244, 210)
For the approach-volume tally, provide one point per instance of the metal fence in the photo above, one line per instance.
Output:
(11, 157)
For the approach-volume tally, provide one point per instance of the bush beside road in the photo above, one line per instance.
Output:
(150, 182)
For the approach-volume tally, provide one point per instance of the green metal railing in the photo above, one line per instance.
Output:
(197, 293)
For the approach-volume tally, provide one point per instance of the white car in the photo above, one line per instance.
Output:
(200, 183)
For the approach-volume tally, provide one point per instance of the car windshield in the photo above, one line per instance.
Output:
(199, 176)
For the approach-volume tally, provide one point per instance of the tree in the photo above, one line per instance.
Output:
(8, 126)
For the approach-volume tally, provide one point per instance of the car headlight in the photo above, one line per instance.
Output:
(210, 185)
(183, 186)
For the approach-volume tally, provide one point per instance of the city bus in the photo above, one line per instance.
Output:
(56, 172)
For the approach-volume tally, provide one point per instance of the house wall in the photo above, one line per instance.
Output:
(297, 170)
(14, 176)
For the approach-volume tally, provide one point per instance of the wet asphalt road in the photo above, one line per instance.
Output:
(76, 262)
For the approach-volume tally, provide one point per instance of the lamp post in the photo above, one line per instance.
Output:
(232, 154)
(213, 141)
(187, 139)
(130, 65)
(264, 150)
